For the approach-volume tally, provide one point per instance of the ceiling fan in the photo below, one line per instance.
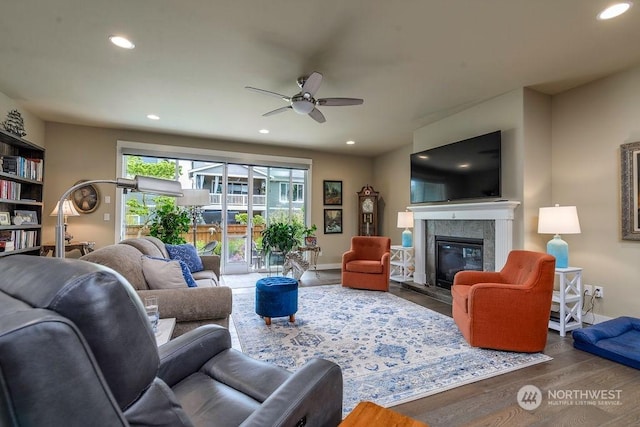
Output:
(304, 102)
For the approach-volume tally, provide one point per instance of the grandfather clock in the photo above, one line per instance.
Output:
(368, 211)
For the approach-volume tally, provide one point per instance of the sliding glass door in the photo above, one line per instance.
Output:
(243, 199)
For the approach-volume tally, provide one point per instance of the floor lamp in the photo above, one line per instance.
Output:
(142, 184)
(194, 200)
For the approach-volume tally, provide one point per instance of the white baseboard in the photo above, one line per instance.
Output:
(329, 266)
(592, 318)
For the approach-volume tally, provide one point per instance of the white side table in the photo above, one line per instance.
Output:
(402, 263)
(165, 329)
(569, 296)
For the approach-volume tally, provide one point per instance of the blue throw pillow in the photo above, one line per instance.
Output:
(186, 274)
(186, 253)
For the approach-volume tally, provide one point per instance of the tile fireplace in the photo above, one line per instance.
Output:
(487, 223)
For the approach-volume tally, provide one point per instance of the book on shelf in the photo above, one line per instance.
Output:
(30, 168)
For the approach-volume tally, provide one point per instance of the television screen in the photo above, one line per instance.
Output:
(468, 169)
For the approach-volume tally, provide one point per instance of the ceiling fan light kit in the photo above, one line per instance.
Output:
(304, 101)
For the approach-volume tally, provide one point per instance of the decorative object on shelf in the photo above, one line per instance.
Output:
(194, 200)
(405, 220)
(558, 220)
(630, 211)
(5, 218)
(143, 184)
(368, 211)
(86, 198)
(332, 192)
(14, 123)
(67, 210)
(332, 221)
(26, 217)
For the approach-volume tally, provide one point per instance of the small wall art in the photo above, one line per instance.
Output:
(332, 192)
(332, 221)
(86, 199)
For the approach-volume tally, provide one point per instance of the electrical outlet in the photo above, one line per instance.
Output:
(598, 291)
(588, 290)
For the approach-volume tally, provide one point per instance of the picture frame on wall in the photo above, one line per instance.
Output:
(630, 185)
(332, 192)
(86, 199)
(332, 221)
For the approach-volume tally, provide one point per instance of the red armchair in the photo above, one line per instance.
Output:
(366, 264)
(509, 309)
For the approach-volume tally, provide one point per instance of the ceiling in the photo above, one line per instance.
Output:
(413, 62)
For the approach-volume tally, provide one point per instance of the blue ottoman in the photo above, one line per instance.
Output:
(276, 297)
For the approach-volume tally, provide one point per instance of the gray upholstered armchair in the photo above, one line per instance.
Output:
(76, 349)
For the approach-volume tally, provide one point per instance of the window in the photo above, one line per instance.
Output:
(297, 194)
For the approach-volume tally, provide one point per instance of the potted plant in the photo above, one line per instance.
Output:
(309, 234)
(280, 238)
(169, 222)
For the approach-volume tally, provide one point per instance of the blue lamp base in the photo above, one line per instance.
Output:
(407, 238)
(559, 249)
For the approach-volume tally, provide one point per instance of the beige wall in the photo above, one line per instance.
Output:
(79, 152)
(391, 179)
(589, 124)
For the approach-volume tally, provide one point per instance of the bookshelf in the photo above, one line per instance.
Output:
(21, 191)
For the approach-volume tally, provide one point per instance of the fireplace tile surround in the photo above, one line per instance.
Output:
(490, 221)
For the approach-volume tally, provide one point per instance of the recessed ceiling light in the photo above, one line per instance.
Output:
(350, 142)
(614, 10)
(121, 42)
(264, 131)
(153, 117)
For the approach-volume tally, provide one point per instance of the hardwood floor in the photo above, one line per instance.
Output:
(493, 402)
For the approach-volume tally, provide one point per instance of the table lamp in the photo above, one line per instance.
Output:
(558, 220)
(194, 200)
(67, 210)
(405, 220)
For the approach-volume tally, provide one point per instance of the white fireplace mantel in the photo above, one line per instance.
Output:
(501, 212)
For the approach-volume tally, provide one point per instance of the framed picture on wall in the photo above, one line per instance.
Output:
(86, 199)
(332, 221)
(630, 179)
(332, 192)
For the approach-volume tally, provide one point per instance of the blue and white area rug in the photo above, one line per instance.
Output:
(390, 350)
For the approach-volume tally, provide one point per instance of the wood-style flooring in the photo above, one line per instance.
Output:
(492, 402)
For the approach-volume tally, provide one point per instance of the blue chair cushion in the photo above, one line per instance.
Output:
(616, 339)
(188, 254)
(276, 296)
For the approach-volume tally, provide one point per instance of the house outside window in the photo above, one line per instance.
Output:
(297, 194)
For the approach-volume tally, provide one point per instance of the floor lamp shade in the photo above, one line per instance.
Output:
(405, 220)
(194, 199)
(558, 220)
(142, 184)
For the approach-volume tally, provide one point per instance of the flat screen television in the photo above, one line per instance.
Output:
(468, 169)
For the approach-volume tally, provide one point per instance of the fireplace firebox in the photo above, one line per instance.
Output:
(455, 254)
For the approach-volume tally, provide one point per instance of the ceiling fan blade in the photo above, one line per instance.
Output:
(312, 83)
(268, 92)
(316, 115)
(276, 111)
(337, 102)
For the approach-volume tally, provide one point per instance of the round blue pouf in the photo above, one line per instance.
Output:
(276, 297)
